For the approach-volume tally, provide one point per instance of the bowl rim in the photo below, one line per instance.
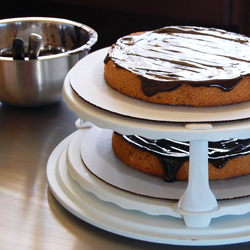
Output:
(92, 39)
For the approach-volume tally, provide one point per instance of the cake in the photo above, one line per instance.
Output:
(190, 66)
(169, 158)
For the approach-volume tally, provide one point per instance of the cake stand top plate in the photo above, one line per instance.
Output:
(112, 110)
(87, 80)
(137, 225)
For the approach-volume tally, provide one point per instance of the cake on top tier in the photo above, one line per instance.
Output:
(192, 66)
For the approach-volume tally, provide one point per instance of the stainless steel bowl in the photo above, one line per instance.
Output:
(30, 83)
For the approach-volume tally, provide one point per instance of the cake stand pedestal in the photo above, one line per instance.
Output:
(198, 203)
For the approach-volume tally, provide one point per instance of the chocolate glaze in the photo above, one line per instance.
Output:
(172, 154)
(168, 57)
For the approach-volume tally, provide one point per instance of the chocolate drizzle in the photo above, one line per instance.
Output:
(172, 154)
(168, 57)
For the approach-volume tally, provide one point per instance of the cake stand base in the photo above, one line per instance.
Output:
(136, 224)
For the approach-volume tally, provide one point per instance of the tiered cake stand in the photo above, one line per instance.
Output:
(89, 181)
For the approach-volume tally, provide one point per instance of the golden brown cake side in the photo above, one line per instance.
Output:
(148, 163)
(129, 84)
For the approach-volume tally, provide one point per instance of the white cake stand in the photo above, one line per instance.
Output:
(198, 204)
(95, 202)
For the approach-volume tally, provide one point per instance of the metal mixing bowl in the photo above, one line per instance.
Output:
(30, 83)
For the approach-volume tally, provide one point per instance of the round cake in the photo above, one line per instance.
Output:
(191, 66)
(169, 158)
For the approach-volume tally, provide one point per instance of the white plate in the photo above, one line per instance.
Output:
(99, 158)
(134, 224)
(151, 130)
(135, 190)
(86, 78)
(107, 192)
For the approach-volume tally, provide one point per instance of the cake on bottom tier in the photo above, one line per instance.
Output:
(169, 158)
